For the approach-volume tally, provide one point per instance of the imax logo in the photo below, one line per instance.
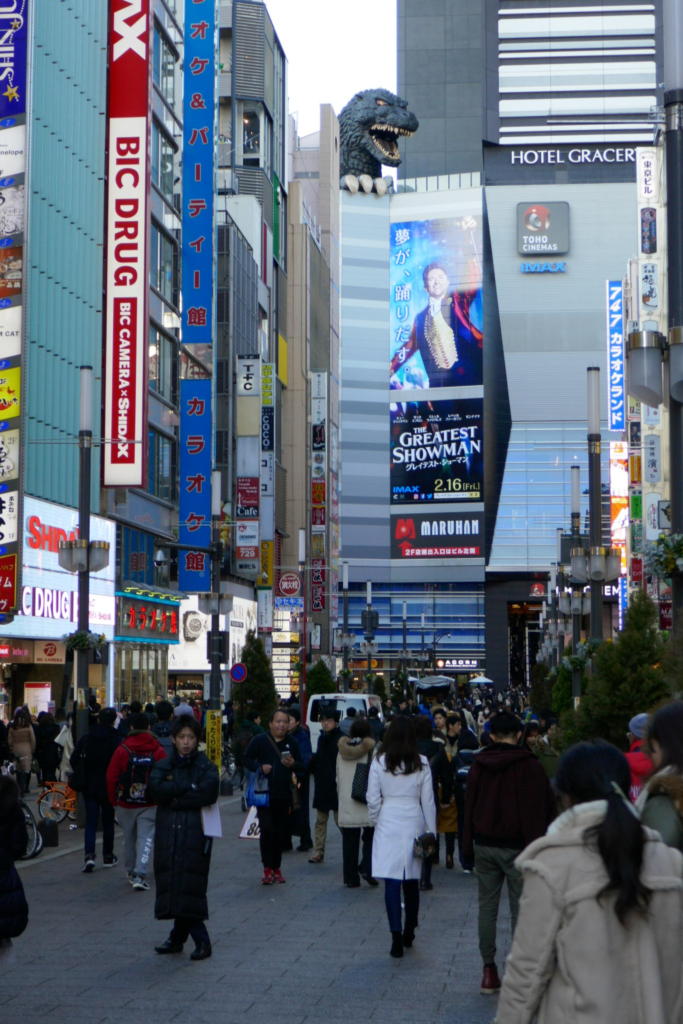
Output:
(543, 268)
(130, 32)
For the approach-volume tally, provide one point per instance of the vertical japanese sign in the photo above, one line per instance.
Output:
(616, 377)
(198, 171)
(126, 275)
(194, 567)
(14, 31)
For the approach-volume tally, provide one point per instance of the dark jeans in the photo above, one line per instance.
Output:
(93, 808)
(274, 825)
(351, 839)
(23, 781)
(392, 901)
(184, 926)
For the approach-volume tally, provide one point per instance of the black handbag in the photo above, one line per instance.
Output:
(424, 845)
(359, 786)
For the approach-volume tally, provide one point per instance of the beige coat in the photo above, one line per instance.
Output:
(352, 814)
(22, 743)
(572, 962)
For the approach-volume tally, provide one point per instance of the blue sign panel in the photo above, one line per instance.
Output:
(194, 567)
(616, 386)
(198, 171)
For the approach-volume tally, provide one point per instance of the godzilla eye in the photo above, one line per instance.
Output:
(381, 103)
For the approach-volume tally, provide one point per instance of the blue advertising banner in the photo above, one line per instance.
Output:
(13, 80)
(194, 567)
(199, 136)
(616, 379)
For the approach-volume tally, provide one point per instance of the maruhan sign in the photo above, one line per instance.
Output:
(577, 155)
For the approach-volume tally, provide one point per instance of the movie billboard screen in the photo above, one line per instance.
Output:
(437, 451)
(436, 303)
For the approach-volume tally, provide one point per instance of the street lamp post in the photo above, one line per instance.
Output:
(345, 626)
(673, 109)
(83, 555)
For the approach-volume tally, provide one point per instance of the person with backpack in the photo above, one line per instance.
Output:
(127, 784)
(89, 763)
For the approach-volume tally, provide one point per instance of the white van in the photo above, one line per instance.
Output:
(362, 702)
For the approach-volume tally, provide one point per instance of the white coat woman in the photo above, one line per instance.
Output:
(401, 807)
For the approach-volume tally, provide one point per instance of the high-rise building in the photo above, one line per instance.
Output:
(531, 72)
(530, 115)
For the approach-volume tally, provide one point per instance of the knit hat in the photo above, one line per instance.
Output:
(638, 725)
(182, 709)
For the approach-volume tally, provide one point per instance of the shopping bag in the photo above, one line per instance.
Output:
(250, 828)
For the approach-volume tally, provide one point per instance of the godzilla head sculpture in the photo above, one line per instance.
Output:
(370, 126)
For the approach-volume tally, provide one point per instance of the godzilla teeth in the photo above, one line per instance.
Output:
(390, 128)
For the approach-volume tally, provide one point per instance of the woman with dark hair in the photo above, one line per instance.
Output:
(661, 800)
(400, 806)
(181, 785)
(598, 937)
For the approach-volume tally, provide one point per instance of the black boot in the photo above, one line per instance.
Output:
(411, 900)
(408, 935)
(169, 946)
(201, 951)
(396, 944)
(426, 875)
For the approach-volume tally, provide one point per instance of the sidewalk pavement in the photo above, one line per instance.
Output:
(309, 952)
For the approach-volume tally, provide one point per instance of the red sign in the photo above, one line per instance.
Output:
(247, 497)
(43, 537)
(127, 225)
(290, 584)
(8, 583)
(317, 516)
(666, 620)
(146, 620)
(637, 571)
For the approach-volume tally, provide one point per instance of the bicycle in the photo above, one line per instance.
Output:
(34, 838)
(56, 801)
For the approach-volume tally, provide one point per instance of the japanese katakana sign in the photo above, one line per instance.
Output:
(199, 136)
(616, 377)
(194, 567)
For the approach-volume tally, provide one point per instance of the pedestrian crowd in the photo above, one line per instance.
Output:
(588, 843)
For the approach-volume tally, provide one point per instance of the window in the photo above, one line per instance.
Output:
(163, 364)
(162, 162)
(163, 265)
(251, 138)
(161, 466)
(163, 67)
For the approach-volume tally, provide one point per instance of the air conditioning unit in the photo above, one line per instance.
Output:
(194, 624)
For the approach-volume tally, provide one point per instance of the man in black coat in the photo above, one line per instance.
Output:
(93, 753)
(323, 768)
(508, 804)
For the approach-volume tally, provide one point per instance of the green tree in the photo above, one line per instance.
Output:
(628, 677)
(319, 679)
(541, 690)
(257, 692)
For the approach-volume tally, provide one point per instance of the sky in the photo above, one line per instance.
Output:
(334, 48)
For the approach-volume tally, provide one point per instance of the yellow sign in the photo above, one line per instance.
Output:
(266, 577)
(9, 393)
(214, 738)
